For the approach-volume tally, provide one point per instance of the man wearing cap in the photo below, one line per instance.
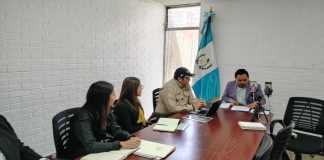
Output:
(176, 95)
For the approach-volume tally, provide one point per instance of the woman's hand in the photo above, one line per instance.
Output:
(132, 143)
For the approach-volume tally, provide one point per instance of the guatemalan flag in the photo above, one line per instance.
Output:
(206, 83)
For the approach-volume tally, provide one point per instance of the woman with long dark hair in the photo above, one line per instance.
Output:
(94, 128)
(128, 110)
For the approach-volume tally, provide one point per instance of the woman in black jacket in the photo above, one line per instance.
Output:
(128, 110)
(94, 128)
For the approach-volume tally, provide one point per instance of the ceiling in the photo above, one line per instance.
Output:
(177, 2)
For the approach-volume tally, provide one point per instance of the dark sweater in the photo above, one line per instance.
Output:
(127, 116)
(87, 137)
(11, 146)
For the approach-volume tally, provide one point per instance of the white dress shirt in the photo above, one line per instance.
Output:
(2, 157)
(240, 95)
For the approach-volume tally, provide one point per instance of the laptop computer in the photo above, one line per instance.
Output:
(209, 110)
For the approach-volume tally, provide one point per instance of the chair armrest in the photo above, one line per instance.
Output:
(153, 119)
(274, 122)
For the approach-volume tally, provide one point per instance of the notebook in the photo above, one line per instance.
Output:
(147, 149)
(240, 108)
(166, 124)
(199, 118)
(266, 112)
(252, 126)
(182, 126)
(111, 155)
(225, 105)
(153, 150)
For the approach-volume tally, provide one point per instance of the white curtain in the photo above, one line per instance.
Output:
(181, 50)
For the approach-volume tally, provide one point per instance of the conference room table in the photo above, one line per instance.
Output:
(219, 139)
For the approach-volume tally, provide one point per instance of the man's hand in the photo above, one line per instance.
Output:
(252, 105)
(200, 104)
(132, 143)
(236, 103)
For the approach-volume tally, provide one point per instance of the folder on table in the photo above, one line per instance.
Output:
(265, 112)
(252, 126)
(225, 105)
(166, 124)
(111, 155)
(153, 150)
(198, 118)
(240, 108)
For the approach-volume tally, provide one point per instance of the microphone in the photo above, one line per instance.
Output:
(253, 88)
(268, 89)
(259, 108)
(259, 98)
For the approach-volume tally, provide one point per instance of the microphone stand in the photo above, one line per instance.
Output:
(258, 109)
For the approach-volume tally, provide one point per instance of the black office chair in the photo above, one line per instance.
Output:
(279, 151)
(61, 131)
(308, 115)
(155, 97)
(273, 147)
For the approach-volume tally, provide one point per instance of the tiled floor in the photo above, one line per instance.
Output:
(307, 157)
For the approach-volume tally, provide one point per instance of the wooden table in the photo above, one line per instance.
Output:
(219, 139)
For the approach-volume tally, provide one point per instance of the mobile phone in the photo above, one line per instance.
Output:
(268, 85)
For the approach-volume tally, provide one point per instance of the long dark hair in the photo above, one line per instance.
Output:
(129, 91)
(98, 99)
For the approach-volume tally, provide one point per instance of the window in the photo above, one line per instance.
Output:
(182, 35)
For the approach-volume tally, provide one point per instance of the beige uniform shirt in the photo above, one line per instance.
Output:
(175, 99)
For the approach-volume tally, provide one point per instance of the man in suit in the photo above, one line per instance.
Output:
(242, 92)
(11, 148)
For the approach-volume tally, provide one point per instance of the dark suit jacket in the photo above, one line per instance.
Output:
(229, 94)
(127, 116)
(87, 137)
(11, 146)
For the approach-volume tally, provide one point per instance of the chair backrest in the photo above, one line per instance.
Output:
(281, 141)
(62, 131)
(306, 113)
(155, 96)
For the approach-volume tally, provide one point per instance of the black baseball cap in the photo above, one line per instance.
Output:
(182, 72)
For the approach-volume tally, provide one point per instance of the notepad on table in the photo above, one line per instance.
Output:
(240, 108)
(154, 150)
(252, 126)
(199, 118)
(225, 105)
(111, 155)
(265, 112)
(166, 124)
(182, 126)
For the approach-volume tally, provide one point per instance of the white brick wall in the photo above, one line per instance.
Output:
(278, 41)
(51, 51)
